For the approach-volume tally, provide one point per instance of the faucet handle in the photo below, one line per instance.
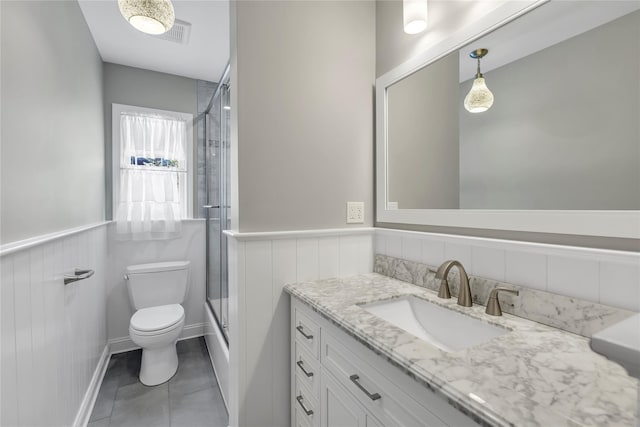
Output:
(493, 304)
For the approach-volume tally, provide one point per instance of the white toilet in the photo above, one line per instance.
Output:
(156, 292)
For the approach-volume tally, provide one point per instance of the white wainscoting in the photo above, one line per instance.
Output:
(53, 336)
(189, 246)
(597, 275)
(260, 264)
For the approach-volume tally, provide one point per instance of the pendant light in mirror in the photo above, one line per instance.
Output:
(479, 98)
(414, 14)
(149, 16)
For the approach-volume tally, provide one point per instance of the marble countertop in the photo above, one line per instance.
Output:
(534, 375)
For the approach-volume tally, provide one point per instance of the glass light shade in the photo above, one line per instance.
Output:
(147, 25)
(148, 16)
(414, 14)
(479, 98)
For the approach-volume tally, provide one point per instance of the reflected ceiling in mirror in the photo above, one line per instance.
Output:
(563, 132)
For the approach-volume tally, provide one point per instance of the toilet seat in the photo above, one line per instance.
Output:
(157, 320)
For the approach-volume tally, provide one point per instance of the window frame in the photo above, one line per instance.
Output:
(116, 111)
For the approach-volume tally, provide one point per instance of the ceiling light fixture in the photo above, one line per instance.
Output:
(148, 16)
(414, 14)
(479, 98)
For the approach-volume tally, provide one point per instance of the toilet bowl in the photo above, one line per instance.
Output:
(156, 292)
(156, 330)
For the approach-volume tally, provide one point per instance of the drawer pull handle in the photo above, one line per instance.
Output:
(299, 363)
(306, 411)
(354, 379)
(307, 336)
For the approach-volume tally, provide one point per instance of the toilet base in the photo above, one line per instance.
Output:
(158, 365)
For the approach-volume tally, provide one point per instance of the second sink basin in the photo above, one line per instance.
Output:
(439, 326)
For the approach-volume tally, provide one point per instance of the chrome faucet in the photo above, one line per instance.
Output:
(464, 294)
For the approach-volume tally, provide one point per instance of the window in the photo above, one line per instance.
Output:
(151, 171)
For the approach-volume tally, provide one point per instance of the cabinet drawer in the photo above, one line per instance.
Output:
(374, 391)
(300, 418)
(307, 333)
(307, 408)
(307, 370)
(340, 408)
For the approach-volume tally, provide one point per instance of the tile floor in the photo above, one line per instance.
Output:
(190, 399)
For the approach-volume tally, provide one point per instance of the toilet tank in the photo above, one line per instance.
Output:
(159, 283)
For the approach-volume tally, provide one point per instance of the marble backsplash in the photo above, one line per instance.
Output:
(567, 313)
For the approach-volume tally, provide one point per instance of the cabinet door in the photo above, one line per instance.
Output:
(340, 409)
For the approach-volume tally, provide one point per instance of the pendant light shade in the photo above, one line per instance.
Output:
(479, 98)
(148, 16)
(414, 14)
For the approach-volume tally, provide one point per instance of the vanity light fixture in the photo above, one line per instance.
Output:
(149, 16)
(414, 14)
(479, 98)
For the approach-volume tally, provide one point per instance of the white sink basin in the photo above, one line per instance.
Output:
(621, 343)
(441, 327)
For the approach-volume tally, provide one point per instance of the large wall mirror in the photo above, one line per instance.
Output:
(558, 150)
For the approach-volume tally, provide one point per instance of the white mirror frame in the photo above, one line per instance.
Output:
(609, 223)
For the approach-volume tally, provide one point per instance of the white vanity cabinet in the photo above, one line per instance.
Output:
(337, 381)
(305, 376)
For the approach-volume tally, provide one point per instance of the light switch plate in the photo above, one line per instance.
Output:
(355, 212)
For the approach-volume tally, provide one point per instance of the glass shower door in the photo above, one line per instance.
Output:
(217, 208)
(225, 202)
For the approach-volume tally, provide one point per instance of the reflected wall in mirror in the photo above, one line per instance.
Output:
(562, 134)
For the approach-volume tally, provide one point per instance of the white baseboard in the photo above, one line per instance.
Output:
(89, 400)
(122, 344)
(218, 353)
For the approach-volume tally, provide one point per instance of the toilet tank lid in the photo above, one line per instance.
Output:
(157, 267)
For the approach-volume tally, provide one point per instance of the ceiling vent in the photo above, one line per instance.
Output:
(179, 33)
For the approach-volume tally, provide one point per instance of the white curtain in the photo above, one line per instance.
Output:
(153, 176)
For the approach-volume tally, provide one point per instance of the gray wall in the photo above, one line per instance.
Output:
(563, 132)
(52, 153)
(150, 89)
(422, 130)
(305, 77)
